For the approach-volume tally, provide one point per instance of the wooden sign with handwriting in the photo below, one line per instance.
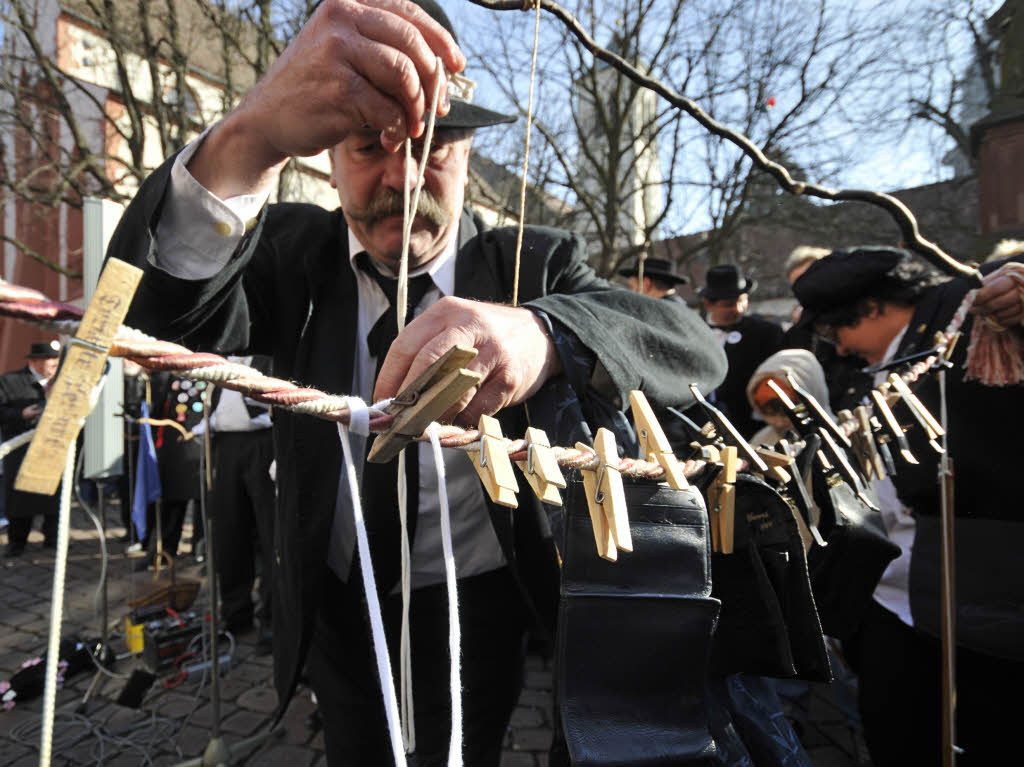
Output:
(68, 401)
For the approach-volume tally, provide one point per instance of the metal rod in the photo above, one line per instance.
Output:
(948, 590)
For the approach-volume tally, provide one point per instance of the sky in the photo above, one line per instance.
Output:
(905, 156)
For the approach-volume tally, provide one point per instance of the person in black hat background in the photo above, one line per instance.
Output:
(22, 399)
(660, 279)
(315, 290)
(748, 340)
(880, 304)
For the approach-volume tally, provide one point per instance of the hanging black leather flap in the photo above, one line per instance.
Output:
(769, 622)
(634, 635)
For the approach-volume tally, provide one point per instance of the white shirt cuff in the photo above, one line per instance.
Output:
(198, 231)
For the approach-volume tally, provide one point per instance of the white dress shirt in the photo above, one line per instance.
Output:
(196, 236)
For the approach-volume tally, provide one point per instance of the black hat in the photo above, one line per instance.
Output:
(41, 350)
(463, 113)
(845, 277)
(725, 281)
(659, 268)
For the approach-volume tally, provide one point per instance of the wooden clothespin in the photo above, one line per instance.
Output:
(654, 445)
(867, 437)
(541, 467)
(493, 465)
(778, 463)
(606, 498)
(425, 400)
(917, 409)
(848, 420)
(68, 402)
(722, 503)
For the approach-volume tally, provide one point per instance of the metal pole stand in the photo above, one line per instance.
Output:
(102, 652)
(217, 752)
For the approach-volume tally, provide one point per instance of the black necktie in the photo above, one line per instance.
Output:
(380, 480)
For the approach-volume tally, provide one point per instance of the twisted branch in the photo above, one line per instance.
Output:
(895, 208)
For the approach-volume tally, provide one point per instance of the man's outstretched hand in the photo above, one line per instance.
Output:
(516, 355)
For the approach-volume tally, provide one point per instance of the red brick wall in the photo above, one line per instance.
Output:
(54, 232)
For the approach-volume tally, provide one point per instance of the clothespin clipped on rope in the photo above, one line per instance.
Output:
(425, 400)
(727, 433)
(69, 402)
(541, 467)
(849, 421)
(892, 426)
(924, 419)
(722, 502)
(654, 445)
(606, 497)
(778, 463)
(867, 437)
(493, 465)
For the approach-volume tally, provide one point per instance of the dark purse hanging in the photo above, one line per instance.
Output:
(634, 635)
(844, 573)
(769, 622)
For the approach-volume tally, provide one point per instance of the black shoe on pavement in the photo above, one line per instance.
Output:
(239, 624)
(14, 550)
(265, 644)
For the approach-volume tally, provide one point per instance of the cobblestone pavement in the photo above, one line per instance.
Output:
(174, 724)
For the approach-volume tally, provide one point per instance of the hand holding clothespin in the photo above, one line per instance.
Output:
(606, 497)
(425, 400)
(654, 445)
(541, 467)
(493, 466)
(721, 496)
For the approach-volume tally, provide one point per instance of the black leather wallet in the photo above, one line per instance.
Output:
(634, 635)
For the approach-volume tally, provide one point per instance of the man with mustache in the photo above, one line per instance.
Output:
(315, 289)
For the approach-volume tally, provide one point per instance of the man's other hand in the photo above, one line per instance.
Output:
(516, 355)
(1002, 296)
(31, 412)
(354, 63)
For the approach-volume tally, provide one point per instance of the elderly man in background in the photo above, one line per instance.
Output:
(748, 340)
(22, 399)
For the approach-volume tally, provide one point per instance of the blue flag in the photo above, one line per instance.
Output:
(147, 476)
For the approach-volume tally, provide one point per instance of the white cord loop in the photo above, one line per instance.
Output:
(454, 630)
(359, 416)
(380, 644)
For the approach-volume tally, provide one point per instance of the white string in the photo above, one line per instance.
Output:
(454, 631)
(380, 645)
(526, 160)
(56, 609)
(15, 442)
(401, 307)
(404, 643)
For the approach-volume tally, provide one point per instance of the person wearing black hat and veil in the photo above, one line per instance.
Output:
(748, 340)
(314, 289)
(660, 279)
(22, 399)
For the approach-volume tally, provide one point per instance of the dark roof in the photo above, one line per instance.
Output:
(493, 185)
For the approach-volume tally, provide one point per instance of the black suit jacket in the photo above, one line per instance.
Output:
(289, 292)
(18, 390)
(758, 340)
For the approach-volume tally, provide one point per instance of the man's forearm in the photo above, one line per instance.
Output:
(232, 161)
